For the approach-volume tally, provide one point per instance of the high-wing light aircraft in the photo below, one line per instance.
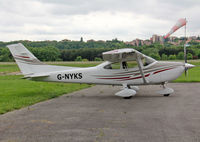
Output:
(147, 70)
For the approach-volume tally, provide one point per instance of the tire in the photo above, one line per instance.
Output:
(128, 97)
(166, 95)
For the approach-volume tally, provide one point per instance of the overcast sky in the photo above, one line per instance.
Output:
(95, 19)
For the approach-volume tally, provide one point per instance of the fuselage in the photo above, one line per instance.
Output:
(155, 73)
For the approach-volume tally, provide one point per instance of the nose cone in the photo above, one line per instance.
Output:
(189, 66)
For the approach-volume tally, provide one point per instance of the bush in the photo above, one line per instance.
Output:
(78, 58)
(189, 56)
(155, 56)
(180, 56)
(85, 60)
(164, 57)
(97, 59)
(172, 57)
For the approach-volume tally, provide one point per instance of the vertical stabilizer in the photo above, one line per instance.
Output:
(24, 58)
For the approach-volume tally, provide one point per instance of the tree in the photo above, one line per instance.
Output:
(78, 58)
(164, 57)
(81, 40)
(4, 55)
(180, 56)
(155, 56)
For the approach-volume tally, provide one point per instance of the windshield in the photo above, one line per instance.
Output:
(147, 61)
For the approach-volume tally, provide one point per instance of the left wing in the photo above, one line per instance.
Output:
(126, 54)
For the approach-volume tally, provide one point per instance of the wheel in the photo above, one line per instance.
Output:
(166, 95)
(128, 97)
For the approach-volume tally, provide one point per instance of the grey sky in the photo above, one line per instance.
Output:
(94, 19)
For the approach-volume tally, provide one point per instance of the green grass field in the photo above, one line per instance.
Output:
(193, 75)
(17, 93)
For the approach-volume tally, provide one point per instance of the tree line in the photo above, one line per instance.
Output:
(92, 50)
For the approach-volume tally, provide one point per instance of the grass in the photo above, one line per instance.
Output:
(193, 75)
(17, 93)
(7, 68)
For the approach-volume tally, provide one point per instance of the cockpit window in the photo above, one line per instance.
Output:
(147, 61)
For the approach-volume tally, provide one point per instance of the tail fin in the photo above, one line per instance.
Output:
(24, 58)
(28, 63)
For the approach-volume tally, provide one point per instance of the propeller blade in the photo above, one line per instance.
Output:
(188, 66)
(186, 72)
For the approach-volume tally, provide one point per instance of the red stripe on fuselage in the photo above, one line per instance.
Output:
(136, 77)
(114, 78)
(23, 56)
(129, 77)
(162, 70)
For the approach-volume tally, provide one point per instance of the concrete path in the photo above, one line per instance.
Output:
(96, 115)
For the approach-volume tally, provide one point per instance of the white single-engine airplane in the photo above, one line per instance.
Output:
(147, 71)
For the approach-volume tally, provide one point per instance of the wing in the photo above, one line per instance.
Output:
(126, 54)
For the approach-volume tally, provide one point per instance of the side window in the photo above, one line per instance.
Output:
(113, 66)
(125, 65)
(131, 64)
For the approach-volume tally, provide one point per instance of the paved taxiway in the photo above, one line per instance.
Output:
(95, 115)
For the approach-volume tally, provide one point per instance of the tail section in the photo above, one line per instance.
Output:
(28, 63)
(24, 58)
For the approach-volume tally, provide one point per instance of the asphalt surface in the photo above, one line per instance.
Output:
(97, 115)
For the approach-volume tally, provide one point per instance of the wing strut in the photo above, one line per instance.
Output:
(139, 62)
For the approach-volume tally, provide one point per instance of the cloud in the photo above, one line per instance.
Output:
(94, 19)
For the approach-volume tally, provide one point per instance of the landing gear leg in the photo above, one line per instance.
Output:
(164, 86)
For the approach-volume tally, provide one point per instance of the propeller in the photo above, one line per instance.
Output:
(185, 51)
(185, 59)
(187, 65)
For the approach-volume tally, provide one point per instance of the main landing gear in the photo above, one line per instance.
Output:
(127, 91)
(166, 91)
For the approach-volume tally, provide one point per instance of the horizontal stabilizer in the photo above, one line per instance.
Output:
(36, 75)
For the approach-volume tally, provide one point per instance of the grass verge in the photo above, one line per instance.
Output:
(193, 75)
(17, 93)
